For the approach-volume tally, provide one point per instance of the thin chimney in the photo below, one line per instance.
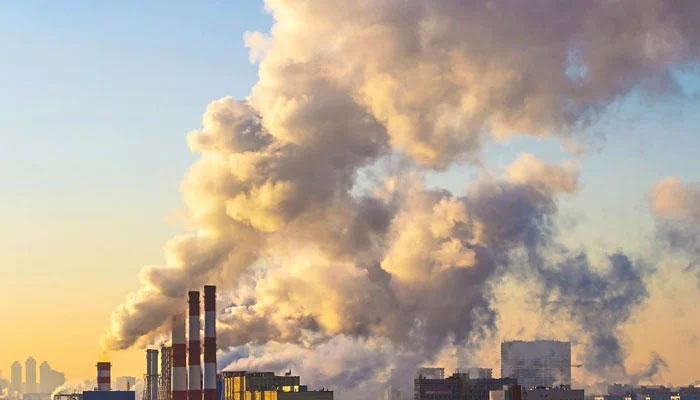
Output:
(194, 387)
(209, 342)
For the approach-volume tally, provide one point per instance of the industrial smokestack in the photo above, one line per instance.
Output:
(104, 379)
(209, 342)
(194, 386)
(151, 389)
(179, 381)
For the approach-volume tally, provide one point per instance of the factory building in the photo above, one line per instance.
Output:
(243, 385)
(541, 363)
(30, 376)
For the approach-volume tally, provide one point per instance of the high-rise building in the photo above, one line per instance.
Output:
(30, 376)
(16, 377)
(49, 379)
(541, 363)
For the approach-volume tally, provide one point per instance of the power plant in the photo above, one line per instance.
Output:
(181, 374)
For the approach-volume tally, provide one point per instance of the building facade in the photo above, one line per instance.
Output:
(559, 393)
(479, 389)
(541, 363)
(243, 385)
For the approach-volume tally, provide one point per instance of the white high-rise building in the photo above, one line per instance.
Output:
(541, 363)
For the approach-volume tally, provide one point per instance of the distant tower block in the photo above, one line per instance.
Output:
(104, 379)
(179, 359)
(30, 376)
(16, 376)
(194, 384)
(209, 342)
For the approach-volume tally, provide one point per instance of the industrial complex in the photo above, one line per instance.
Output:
(185, 368)
(175, 371)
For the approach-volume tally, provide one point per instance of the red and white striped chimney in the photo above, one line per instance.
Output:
(194, 386)
(209, 342)
(179, 352)
(104, 379)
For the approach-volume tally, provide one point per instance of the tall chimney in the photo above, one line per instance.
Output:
(209, 342)
(104, 379)
(179, 382)
(194, 384)
(151, 375)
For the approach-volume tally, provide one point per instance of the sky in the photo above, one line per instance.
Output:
(94, 115)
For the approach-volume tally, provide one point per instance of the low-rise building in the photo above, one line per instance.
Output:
(246, 385)
(558, 393)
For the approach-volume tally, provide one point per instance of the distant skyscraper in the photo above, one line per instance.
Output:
(540, 363)
(49, 379)
(30, 375)
(16, 377)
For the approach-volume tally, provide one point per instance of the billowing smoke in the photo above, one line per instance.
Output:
(4, 385)
(676, 206)
(308, 207)
(75, 387)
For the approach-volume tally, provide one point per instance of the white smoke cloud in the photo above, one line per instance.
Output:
(316, 257)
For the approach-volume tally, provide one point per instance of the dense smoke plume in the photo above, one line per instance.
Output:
(308, 206)
(676, 206)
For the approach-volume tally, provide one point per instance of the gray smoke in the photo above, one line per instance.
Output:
(676, 207)
(599, 302)
(317, 246)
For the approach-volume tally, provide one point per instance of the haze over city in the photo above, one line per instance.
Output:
(373, 187)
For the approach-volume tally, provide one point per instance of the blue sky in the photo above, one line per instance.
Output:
(97, 98)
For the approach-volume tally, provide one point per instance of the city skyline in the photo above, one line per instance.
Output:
(381, 185)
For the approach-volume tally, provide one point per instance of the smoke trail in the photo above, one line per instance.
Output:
(316, 253)
(676, 206)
